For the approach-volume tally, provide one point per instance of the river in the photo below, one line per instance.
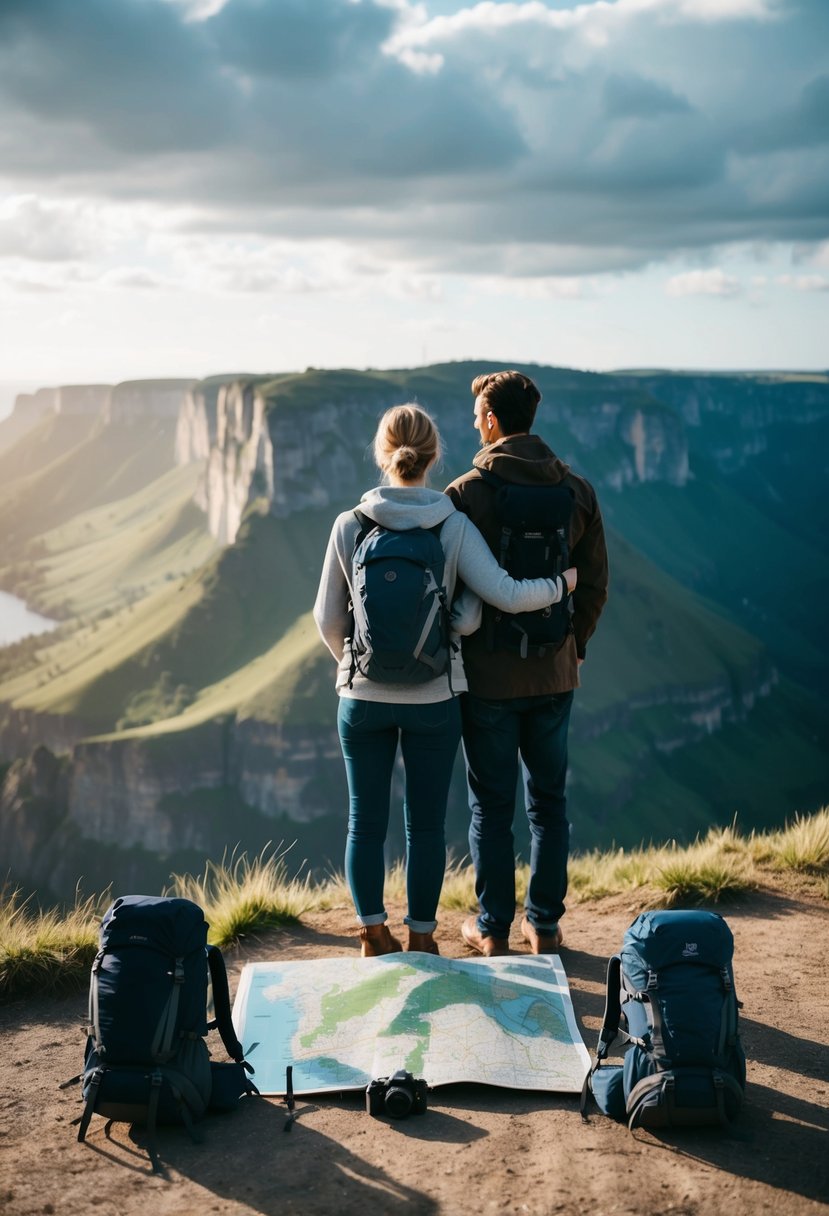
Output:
(17, 621)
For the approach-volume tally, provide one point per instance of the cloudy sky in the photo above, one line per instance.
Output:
(191, 186)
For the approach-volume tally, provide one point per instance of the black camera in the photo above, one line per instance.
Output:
(399, 1095)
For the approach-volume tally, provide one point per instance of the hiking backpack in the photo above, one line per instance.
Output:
(401, 620)
(146, 1059)
(670, 994)
(533, 543)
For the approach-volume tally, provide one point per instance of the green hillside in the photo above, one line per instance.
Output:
(121, 551)
(716, 541)
(189, 635)
(46, 486)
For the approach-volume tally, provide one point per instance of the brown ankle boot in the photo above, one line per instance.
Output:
(423, 942)
(376, 940)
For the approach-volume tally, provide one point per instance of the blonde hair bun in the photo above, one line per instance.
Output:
(407, 442)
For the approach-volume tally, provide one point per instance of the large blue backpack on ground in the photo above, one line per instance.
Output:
(146, 1058)
(670, 994)
(401, 620)
(533, 543)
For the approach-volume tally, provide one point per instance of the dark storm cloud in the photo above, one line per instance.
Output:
(298, 38)
(128, 73)
(517, 137)
(629, 96)
(802, 125)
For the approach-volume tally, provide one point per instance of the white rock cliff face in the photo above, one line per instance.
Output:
(317, 457)
(255, 452)
(134, 399)
(35, 405)
(657, 455)
(240, 457)
(84, 399)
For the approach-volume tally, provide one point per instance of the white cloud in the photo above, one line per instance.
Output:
(45, 230)
(595, 22)
(713, 282)
(804, 282)
(131, 277)
(820, 256)
(528, 140)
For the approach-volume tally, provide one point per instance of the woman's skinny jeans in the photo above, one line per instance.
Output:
(369, 735)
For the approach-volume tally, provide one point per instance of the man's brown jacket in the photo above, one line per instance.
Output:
(526, 460)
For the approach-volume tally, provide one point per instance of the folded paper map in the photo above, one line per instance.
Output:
(341, 1022)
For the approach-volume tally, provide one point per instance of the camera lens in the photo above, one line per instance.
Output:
(398, 1102)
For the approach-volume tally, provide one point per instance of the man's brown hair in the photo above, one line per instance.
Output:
(511, 396)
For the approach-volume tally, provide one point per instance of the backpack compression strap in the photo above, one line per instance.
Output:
(221, 1007)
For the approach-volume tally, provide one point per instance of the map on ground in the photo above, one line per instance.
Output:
(342, 1022)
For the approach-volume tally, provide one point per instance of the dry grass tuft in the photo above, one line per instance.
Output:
(241, 896)
(54, 949)
(50, 950)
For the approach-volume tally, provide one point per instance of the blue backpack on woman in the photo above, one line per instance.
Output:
(401, 619)
(670, 994)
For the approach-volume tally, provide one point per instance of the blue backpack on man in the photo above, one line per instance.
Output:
(670, 994)
(533, 543)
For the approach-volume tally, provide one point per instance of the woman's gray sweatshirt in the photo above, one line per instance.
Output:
(468, 558)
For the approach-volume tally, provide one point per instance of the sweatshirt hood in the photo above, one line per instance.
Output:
(523, 459)
(400, 507)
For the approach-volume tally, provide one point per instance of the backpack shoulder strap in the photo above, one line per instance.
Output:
(612, 1008)
(366, 524)
(610, 1024)
(221, 1004)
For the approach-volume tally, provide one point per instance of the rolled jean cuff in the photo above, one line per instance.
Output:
(546, 927)
(420, 926)
(378, 918)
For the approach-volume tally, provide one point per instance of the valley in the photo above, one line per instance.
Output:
(185, 706)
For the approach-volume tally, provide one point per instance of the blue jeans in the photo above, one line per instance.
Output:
(428, 736)
(495, 735)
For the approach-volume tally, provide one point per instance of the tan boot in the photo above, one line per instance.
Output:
(541, 943)
(424, 943)
(489, 947)
(376, 940)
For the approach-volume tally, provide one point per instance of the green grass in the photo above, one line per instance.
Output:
(52, 950)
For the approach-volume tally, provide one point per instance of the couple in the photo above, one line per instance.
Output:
(511, 707)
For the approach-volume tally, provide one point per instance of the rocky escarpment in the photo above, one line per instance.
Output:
(136, 808)
(22, 730)
(226, 425)
(306, 444)
(136, 399)
(125, 402)
(194, 794)
(28, 409)
(83, 399)
(730, 417)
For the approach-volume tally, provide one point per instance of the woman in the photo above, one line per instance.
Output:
(423, 718)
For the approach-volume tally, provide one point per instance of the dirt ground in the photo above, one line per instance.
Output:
(478, 1149)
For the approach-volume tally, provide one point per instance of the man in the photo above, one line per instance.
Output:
(520, 707)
